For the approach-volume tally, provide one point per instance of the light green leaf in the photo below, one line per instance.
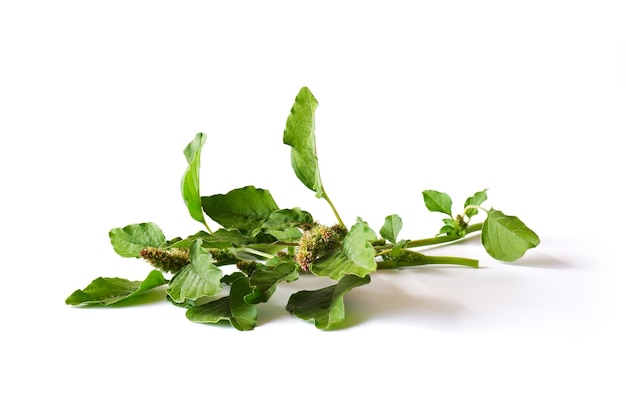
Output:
(391, 228)
(130, 240)
(506, 238)
(300, 135)
(233, 308)
(476, 200)
(356, 256)
(190, 184)
(438, 202)
(324, 306)
(200, 278)
(244, 209)
(107, 291)
(264, 280)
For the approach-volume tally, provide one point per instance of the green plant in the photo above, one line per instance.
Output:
(266, 244)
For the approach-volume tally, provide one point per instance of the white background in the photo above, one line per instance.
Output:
(98, 100)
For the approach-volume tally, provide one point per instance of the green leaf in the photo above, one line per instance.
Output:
(506, 238)
(284, 224)
(233, 308)
(476, 200)
(324, 306)
(264, 280)
(438, 202)
(221, 239)
(356, 256)
(243, 209)
(200, 278)
(130, 240)
(300, 135)
(391, 228)
(107, 291)
(190, 184)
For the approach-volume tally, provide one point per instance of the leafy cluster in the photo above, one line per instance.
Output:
(266, 245)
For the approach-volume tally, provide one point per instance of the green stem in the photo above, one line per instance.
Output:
(258, 253)
(207, 226)
(443, 239)
(429, 260)
(332, 206)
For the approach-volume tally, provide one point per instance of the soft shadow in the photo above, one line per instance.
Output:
(388, 299)
(540, 260)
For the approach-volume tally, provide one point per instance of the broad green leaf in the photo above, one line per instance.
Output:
(506, 238)
(200, 278)
(300, 135)
(391, 228)
(221, 239)
(190, 184)
(324, 306)
(284, 224)
(264, 280)
(243, 209)
(476, 200)
(107, 291)
(130, 240)
(233, 308)
(438, 202)
(356, 256)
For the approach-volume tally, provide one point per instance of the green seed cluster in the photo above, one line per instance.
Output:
(166, 260)
(318, 241)
(222, 256)
(247, 267)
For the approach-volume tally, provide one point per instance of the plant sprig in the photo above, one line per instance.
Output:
(226, 274)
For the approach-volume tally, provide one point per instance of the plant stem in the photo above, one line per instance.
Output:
(258, 253)
(206, 225)
(435, 240)
(332, 206)
(429, 260)
(442, 239)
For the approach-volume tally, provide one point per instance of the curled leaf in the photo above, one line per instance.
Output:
(190, 184)
(232, 307)
(107, 291)
(200, 278)
(300, 135)
(324, 306)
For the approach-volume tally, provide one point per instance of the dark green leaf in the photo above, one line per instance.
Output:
(130, 240)
(233, 308)
(391, 228)
(284, 224)
(107, 291)
(324, 306)
(506, 238)
(476, 200)
(300, 135)
(221, 239)
(438, 202)
(190, 184)
(200, 278)
(244, 209)
(356, 256)
(264, 280)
